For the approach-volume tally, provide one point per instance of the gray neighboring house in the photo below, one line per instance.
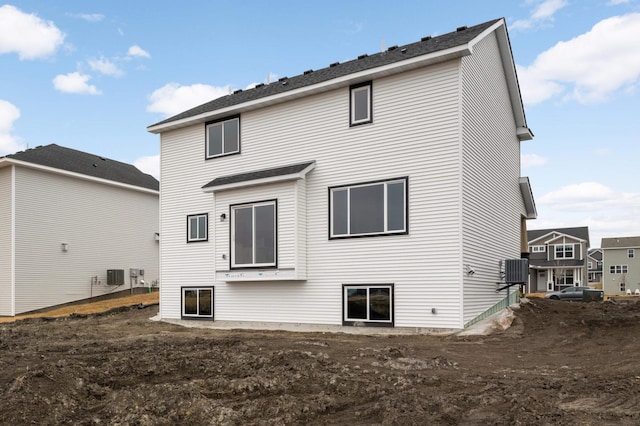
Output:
(557, 258)
(594, 267)
(621, 265)
(67, 218)
(380, 191)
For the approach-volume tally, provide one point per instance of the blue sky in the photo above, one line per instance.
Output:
(93, 75)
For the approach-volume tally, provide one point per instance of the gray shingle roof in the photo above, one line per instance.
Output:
(543, 263)
(620, 242)
(260, 174)
(71, 160)
(581, 232)
(364, 62)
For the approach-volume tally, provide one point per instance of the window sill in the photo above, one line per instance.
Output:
(246, 275)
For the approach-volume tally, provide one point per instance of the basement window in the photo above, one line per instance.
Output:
(369, 305)
(197, 303)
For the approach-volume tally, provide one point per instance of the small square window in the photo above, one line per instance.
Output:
(368, 305)
(223, 137)
(197, 303)
(197, 227)
(360, 104)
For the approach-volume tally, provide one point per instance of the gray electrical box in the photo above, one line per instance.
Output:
(115, 276)
(133, 273)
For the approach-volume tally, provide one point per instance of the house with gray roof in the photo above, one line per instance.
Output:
(621, 265)
(384, 191)
(558, 258)
(73, 226)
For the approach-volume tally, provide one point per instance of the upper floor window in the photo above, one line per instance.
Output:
(375, 208)
(564, 251)
(590, 265)
(223, 137)
(619, 269)
(631, 253)
(360, 104)
(197, 227)
(538, 249)
(253, 235)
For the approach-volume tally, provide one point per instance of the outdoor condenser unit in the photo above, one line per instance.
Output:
(516, 270)
(115, 276)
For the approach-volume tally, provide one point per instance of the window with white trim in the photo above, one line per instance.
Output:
(538, 249)
(367, 209)
(222, 137)
(631, 253)
(565, 277)
(360, 104)
(619, 269)
(564, 251)
(368, 304)
(197, 303)
(197, 227)
(253, 235)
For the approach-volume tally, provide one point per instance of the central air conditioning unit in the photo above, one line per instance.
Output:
(516, 271)
(115, 276)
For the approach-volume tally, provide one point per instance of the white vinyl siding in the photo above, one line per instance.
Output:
(424, 266)
(104, 227)
(6, 242)
(491, 195)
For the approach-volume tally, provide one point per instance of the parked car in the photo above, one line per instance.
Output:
(569, 293)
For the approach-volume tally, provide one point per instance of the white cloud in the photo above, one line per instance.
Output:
(606, 212)
(542, 13)
(105, 66)
(75, 83)
(532, 160)
(136, 50)
(27, 35)
(617, 2)
(8, 142)
(590, 67)
(89, 17)
(173, 98)
(149, 165)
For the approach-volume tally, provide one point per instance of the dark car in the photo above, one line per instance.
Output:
(569, 293)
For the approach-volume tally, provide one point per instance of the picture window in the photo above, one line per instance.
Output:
(253, 234)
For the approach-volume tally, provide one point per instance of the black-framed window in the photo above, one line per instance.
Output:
(253, 234)
(197, 302)
(368, 304)
(360, 104)
(564, 251)
(368, 209)
(222, 137)
(197, 227)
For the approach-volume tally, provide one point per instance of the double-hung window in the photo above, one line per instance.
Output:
(360, 104)
(631, 253)
(223, 137)
(197, 302)
(197, 227)
(564, 251)
(368, 304)
(376, 208)
(253, 235)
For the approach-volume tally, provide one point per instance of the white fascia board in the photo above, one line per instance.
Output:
(79, 176)
(389, 69)
(263, 181)
(527, 196)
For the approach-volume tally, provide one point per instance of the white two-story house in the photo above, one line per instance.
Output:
(382, 191)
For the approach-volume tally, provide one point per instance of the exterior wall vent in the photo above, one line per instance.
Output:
(115, 276)
(516, 271)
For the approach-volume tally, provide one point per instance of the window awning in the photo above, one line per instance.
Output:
(260, 177)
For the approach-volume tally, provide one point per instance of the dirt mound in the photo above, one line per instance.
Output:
(559, 363)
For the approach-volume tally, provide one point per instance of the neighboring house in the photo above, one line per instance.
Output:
(594, 266)
(557, 258)
(66, 218)
(381, 191)
(620, 265)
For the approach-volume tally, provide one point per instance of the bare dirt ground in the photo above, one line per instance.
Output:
(560, 363)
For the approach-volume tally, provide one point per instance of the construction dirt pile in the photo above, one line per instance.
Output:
(559, 363)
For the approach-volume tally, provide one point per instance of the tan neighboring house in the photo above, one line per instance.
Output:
(73, 226)
(621, 265)
(557, 258)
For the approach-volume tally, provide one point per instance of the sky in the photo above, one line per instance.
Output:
(93, 75)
